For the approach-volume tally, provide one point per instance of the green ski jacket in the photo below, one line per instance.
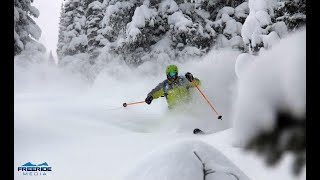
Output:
(176, 92)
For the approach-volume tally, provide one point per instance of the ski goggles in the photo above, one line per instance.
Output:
(171, 74)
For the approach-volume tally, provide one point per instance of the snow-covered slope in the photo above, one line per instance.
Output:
(83, 132)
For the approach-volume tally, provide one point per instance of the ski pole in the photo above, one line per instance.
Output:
(126, 104)
(219, 116)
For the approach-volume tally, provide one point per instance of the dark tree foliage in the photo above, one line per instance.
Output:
(293, 13)
(288, 136)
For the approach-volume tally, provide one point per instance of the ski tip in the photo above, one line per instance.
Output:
(197, 131)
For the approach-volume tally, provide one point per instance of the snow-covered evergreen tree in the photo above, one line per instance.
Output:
(25, 28)
(270, 21)
(292, 13)
(140, 34)
(86, 3)
(228, 25)
(94, 15)
(139, 31)
(62, 29)
(75, 39)
(257, 26)
(166, 30)
(116, 16)
(190, 27)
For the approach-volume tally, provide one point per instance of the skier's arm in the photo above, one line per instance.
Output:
(157, 91)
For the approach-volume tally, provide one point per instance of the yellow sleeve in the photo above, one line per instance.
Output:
(157, 91)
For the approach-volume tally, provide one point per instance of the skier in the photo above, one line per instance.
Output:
(175, 88)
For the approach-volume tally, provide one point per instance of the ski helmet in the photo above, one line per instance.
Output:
(171, 68)
(172, 72)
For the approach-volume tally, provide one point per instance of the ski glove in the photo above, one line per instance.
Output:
(189, 76)
(149, 99)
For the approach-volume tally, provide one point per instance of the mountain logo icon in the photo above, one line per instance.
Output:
(29, 164)
(43, 164)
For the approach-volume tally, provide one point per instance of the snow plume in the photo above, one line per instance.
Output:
(34, 75)
(243, 61)
(33, 52)
(117, 83)
(214, 70)
(276, 80)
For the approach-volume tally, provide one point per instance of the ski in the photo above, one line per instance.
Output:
(198, 131)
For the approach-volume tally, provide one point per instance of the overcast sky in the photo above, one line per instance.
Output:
(49, 22)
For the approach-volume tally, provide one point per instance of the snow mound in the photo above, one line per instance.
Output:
(187, 160)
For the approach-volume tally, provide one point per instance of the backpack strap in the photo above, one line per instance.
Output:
(166, 87)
